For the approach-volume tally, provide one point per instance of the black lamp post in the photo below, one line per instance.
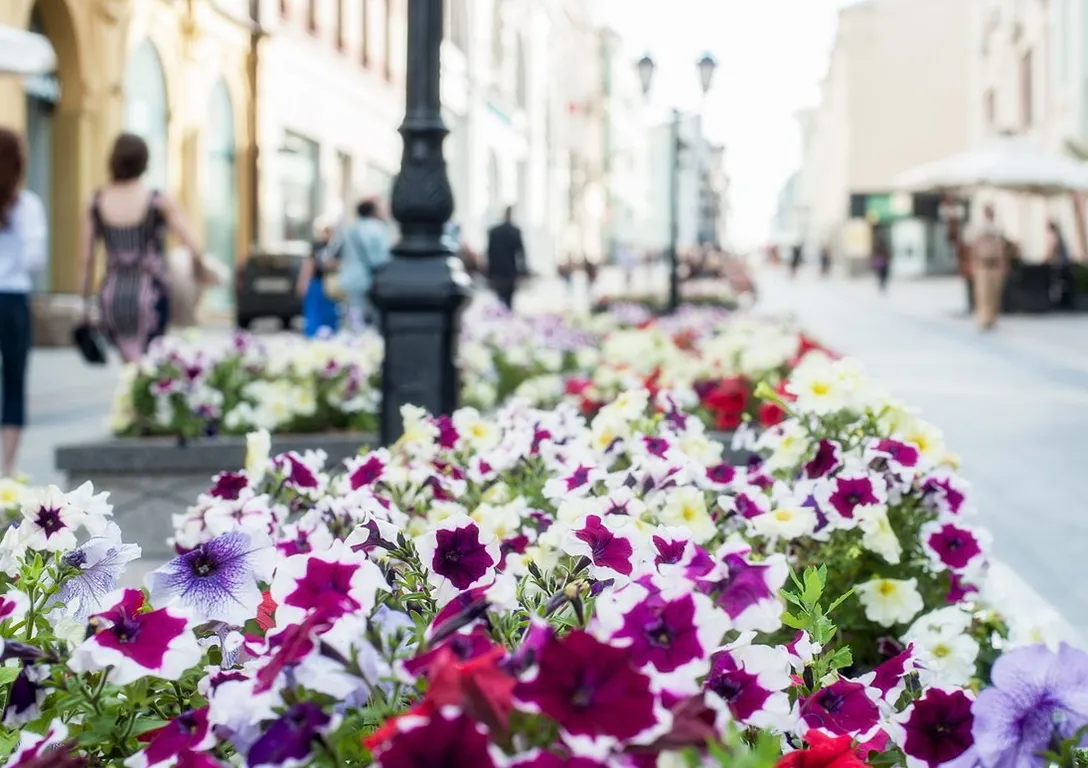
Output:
(421, 292)
(646, 67)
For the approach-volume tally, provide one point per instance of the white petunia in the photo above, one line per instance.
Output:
(878, 535)
(685, 507)
(889, 602)
(788, 522)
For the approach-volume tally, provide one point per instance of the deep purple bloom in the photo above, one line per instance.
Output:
(447, 433)
(25, 697)
(841, 708)
(828, 458)
(229, 486)
(218, 580)
(291, 738)
(937, 727)
(460, 556)
(897, 454)
(590, 688)
(1038, 697)
(746, 507)
(669, 552)
(298, 474)
(721, 474)
(743, 586)
(954, 546)
(850, 493)
(578, 478)
(185, 734)
(606, 549)
(447, 738)
(656, 446)
(941, 492)
(959, 589)
(367, 473)
(662, 633)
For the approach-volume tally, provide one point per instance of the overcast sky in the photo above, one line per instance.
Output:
(772, 55)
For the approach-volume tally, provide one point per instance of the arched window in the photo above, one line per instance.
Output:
(146, 109)
(219, 194)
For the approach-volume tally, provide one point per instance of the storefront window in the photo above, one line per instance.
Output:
(220, 189)
(299, 185)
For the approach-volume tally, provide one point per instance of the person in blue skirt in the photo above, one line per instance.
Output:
(320, 313)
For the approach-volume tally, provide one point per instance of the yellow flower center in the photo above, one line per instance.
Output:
(783, 516)
(820, 388)
(941, 651)
(886, 588)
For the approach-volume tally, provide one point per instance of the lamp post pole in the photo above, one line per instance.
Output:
(674, 214)
(422, 290)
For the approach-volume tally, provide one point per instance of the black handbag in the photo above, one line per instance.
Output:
(91, 344)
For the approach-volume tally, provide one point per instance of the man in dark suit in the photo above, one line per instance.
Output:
(505, 258)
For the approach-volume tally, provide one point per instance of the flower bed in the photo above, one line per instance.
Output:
(534, 589)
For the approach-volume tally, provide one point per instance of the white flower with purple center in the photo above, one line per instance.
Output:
(458, 555)
(843, 708)
(132, 643)
(335, 581)
(954, 547)
(100, 561)
(13, 606)
(752, 680)
(669, 629)
(577, 480)
(50, 522)
(609, 543)
(218, 580)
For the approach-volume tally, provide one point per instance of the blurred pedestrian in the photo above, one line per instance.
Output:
(23, 235)
(132, 219)
(627, 260)
(796, 257)
(566, 272)
(357, 252)
(319, 311)
(825, 260)
(1061, 281)
(989, 267)
(505, 258)
(882, 262)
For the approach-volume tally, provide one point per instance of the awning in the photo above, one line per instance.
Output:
(25, 53)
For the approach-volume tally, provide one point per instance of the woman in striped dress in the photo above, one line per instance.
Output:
(131, 220)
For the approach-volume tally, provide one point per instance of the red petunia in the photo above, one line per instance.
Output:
(824, 752)
(770, 414)
(728, 401)
(478, 686)
(265, 611)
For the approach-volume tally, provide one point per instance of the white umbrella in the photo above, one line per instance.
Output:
(1009, 162)
(25, 53)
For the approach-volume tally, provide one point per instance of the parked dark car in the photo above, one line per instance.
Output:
(266, 282)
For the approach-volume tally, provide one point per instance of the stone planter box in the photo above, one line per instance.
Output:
(151, 479)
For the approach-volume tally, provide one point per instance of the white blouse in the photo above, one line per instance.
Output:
(23, 244)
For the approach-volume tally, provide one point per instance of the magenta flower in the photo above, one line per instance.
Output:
(828, 458)
(895, 455)
(229, 486)
(218, 580)
(336, 581)
(458, 554)
(720, 476)
(956, 547)
(573, 482)
(366, 471)
(290, 739)
(176, 741)
(297, 473)
(842, 495)
(1037, 697)
(13, 606)
(137, 644)
(608, 551)
(447, 738)
(936, 730)
(752, 681)
(890, 678)
(590, 689)
(944, 493)
(33, 746)
(747, 591)
(842, 708)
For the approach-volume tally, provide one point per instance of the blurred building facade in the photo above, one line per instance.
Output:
(264, 116)
(1030, 78)
(897, 93)
(175, 72)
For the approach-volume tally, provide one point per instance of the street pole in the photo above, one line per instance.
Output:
(674, 215)
(421, 292)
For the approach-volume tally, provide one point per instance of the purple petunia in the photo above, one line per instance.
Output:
(447, 738)
(748, 591)
(842, 708)
(752, 681)
(590, 689)
(458, 555)
(841, 496)
(218, 580)
(1037, 697)
(936, 730)
(602, 540)
(828, 458)
(177, 742)
(100, 561)
(291, 739)
(955, 547)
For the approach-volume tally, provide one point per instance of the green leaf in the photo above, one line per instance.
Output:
(793, 622)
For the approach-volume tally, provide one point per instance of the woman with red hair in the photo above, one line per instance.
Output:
(23, 234)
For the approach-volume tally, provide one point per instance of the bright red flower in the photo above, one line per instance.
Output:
(478, 686)
(376, 741)
(265, 612)
(576, 385)
(728, 401)
(824, 752)
(770, 414)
